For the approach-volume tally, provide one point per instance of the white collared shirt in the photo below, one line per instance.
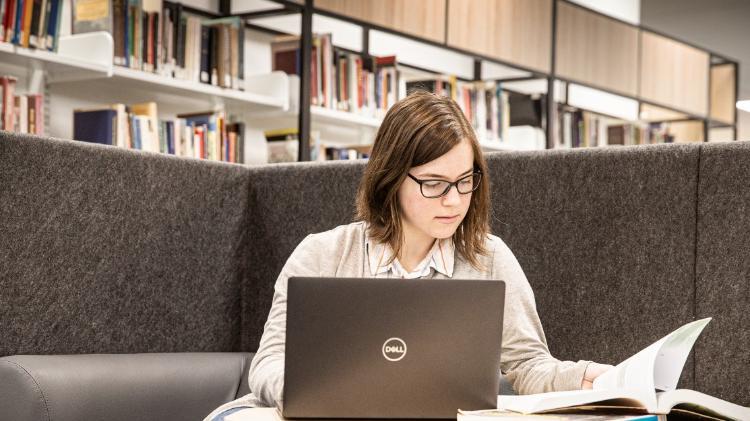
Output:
(440, 258)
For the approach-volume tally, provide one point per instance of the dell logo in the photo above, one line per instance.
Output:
(394, 349)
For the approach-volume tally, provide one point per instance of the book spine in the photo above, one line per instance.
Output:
(8, 84)
(36, 12)
(27, 12)
(3, 5)
(18, 22)
(10, 19)
(118, 31)
(143, 41)
(205, 75)
(241, 58)
(179, 36)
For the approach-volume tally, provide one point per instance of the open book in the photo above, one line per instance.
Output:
(645, 381)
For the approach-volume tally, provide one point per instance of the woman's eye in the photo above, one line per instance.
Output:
(432, 184)
(466, 182)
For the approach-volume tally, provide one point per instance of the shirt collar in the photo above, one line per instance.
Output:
(440, 258)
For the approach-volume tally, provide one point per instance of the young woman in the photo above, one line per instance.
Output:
(423, 212)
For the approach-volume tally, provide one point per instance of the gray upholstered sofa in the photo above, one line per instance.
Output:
(155, 264)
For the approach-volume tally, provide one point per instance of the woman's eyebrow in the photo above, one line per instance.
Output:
(442, 176)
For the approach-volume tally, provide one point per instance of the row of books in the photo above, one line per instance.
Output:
(341, 80)
(23, 113)
(198, 135)
(283, 146)
(31, 23)
(585, 129)
(160, 37)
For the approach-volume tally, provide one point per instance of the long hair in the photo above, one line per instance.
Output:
(416, 130)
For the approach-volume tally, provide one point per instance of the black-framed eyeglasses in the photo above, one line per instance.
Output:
(432, 189)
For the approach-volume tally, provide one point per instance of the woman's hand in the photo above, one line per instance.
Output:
(593, 370)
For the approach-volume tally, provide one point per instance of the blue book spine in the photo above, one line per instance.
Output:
(170, 137)
(55, 6)
(19, 22)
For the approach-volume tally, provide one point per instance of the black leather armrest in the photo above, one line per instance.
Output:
(114, 387)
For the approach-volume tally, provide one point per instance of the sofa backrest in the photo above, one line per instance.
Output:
(112, 250)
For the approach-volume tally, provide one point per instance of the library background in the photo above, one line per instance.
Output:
(262, 81)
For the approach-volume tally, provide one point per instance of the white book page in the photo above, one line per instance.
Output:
(702, 403)
(674, 352)
(656, 367)
(529, 404)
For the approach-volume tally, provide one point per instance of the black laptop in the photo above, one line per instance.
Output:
(391, 348)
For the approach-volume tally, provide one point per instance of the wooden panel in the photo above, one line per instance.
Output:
(516, 31)
(423, 18)
(686, 131)
(653, 113)
(674, 74)
(596, 50)
(722, 93)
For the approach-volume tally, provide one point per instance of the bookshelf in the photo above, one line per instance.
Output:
(561, 48)
(644, 76)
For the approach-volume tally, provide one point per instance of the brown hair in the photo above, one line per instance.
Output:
(416, 130)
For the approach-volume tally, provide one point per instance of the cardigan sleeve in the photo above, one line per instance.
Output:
(524, 357)
(266, 375)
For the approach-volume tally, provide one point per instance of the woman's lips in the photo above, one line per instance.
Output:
(447, 219)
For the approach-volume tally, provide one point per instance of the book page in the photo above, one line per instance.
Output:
(702, 404)
(656, 367)
(674, 352)
(540, 402)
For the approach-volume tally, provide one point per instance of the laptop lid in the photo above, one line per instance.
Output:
(391, 348)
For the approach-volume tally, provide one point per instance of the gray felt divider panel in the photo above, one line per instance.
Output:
(723, 272)
(114, 251)
(606, 239)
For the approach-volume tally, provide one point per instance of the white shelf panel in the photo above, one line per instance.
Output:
(59, 66)
(249, 101)
(319, 117)
(329, 116)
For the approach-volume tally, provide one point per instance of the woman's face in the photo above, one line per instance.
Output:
(428, 219)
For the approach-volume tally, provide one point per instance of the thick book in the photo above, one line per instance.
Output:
(645, 381)
(96, 126)
(497, 415)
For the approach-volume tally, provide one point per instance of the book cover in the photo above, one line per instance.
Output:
(96, 126)
(92, 16)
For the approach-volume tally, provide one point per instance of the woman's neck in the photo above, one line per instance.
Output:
(414, 249)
